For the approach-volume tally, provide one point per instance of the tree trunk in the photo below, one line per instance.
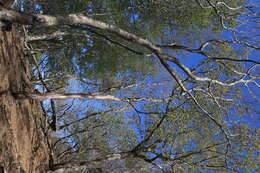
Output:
(23, 144)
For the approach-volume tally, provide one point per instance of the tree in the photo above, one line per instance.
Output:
(23, 146)
(135, 97)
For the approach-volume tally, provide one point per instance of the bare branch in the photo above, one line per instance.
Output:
(50, 95)
(76, 19)
(51, 36)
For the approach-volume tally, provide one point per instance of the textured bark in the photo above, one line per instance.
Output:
(23, 145)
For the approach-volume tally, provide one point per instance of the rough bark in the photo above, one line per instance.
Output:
(23, 145)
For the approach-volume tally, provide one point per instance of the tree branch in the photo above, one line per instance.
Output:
(51, 95)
